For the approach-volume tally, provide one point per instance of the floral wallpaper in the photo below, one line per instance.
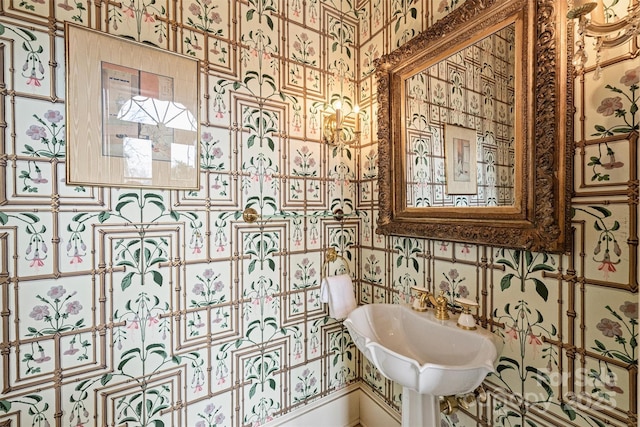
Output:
(153, 307)
(569, 322)
(156, 307)
(470, 90)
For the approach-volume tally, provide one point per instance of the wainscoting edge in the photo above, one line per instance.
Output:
(354, 405)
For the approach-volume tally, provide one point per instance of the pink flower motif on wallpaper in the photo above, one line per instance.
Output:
(211, 417)
(216, 17)
(43, 358)
(71, 351)
(195, 9)
(54, 318)
(39, 179)
(296, 7)
(372, 269)
(303, 51)
(134, 324)
(76, 258)
(452, 287)
(621, 348)
(631, 77)
(53, 116)
(36, 132)
(630, 309)
(39, 312)
(33, 80)
(607, 266)
(36, 261)
(306, 385)
(209, 274)
(74, 307)
(198, 324)
(217, 152)
(608, 106)
(50, 134)
(609, 328)
(626, 123)
(607, 242)
(198, 288)
(76, 247)
(56, 292)
(304, 163)
(32, 67)
(193, 42)
(534, 341)
(511, 333)
(65, 5)
(465, 248)
(196, 241)
(205, 15)
(305, 275)
(208, 288)
(55, 303)
(221, 372)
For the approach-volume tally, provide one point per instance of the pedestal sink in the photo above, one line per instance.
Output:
(428, 357)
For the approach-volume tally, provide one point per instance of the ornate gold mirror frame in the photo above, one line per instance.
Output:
(537, 217)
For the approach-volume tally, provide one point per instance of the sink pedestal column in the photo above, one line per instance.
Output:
(419, 410)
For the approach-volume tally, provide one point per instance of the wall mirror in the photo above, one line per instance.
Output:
(475, 132)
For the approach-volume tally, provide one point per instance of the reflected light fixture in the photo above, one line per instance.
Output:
(334, 131)
(606, 34)
(152, 111)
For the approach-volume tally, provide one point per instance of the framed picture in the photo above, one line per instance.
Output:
(132, 113)
(461, 168)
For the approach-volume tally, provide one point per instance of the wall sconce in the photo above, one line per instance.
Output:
(606, 35)
(334, 126)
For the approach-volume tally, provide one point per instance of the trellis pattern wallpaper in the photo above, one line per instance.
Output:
(472, 89)
(150, 307)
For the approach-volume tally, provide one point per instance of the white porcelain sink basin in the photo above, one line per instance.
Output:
(421, 353)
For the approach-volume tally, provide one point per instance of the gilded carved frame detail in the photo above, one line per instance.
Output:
(542, 222)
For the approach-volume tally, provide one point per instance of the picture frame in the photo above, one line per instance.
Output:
(460, 147)
(133, 116)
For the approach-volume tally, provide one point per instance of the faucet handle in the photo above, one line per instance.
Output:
(466, 320)
(420, 302)
(466, 304)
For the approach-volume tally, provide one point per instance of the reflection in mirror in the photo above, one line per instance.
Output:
(160, 121)
(474, 131)
(460, 127)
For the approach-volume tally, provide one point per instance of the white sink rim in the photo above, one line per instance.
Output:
(410, 358)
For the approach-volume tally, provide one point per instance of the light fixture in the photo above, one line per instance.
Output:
(334, 131)
(606, 34)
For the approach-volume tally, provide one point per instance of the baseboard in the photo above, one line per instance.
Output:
(348, 407)
(374, 411)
